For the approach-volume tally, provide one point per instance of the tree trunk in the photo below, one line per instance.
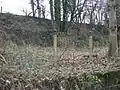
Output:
(113, 46)
(43, 12)
(118, 22)
(73, 10)
(57, 4)
(64, 2)
(53, 29)
(38, 8)
(33, 8)
(52, 15)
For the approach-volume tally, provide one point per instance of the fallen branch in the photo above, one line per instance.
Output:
(2, 59)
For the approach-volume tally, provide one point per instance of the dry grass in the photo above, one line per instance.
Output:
(68, 60)
(29, 65)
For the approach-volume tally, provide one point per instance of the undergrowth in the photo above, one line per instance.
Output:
(35, 68)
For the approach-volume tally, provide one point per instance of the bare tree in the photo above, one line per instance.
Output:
(113, 46)
(32, 6)
(52, 14)
(79, 11)
(26, 12)
(118, 22)
(57, 9)
(38, 8)
(43, 11)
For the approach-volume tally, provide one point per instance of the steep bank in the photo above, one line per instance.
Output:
(29, 30)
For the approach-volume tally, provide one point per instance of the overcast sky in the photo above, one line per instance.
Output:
(16, 6)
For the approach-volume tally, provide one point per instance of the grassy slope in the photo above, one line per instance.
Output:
(37, 31)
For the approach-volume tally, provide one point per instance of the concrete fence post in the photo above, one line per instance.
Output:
(90, 45)
(55, 44)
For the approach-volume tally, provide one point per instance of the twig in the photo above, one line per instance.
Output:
(62, 54)
(3, 59)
